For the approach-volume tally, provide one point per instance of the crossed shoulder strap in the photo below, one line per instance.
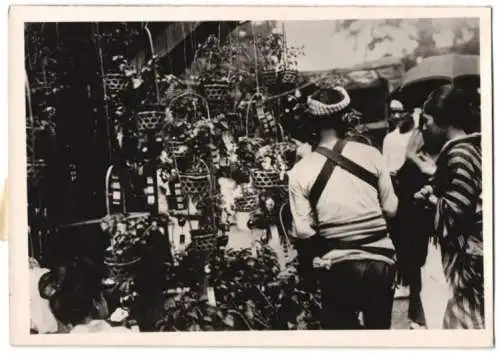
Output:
(335, 158)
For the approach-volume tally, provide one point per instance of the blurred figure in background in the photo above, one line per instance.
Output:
(401, 128)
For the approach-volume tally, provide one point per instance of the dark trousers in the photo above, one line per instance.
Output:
(415, 307)
(351, 287)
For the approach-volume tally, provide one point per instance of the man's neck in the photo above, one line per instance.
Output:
(328, 137)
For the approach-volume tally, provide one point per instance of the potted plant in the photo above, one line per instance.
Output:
(288, 66)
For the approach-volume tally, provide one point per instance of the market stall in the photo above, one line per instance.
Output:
(188, 238)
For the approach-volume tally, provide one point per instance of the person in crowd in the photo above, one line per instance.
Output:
(75, 299)
(41, 317)
(456, 197)
(401, 126)
(340, 197)
(411, 229)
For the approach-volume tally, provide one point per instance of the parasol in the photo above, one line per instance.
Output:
(449, 68)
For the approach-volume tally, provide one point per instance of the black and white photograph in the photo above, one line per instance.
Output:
(244, 175)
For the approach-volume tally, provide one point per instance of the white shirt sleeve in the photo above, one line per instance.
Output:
(303, 214)
(388, 198)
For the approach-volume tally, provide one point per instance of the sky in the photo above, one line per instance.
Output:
(325, 48)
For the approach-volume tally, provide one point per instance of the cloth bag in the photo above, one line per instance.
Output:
(435, 289)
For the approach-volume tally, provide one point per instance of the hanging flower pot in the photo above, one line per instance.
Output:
(282, 148)
(203, 240)
(114, 83)
(196, 182)
(246, 203)
(268, 78)
(122, 270)
(288, 76)
(216, 91)
(177, 149)
(266, 179)
(151, 118)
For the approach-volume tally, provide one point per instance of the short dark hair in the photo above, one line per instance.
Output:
(451, 106)
(80, 287)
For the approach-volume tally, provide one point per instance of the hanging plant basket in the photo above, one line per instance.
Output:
(246, 203)
(281, 148)
(36, 170)
(114, 82)
(203, 241)
(266, 179)
(151, 119)
(177, 148)
(268, 78)
(216, 92)
(195, 184)
(288, 76)
(121, 270)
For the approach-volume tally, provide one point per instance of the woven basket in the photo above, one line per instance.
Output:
(195, 185)
(121, 270)
(114, 82)
(282, 147)
(268, 78)
(216, 92)
(288, 77)
(266, 179)
(150, 120)
(204, 242)
(247, 203)
(175, 148)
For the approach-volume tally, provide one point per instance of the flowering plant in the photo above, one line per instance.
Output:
(275, 53)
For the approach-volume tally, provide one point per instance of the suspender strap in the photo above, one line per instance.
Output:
(325, 174)
(350, 166)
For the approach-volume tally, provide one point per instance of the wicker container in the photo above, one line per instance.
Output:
(114, 82)
(266, 179)
(120, 270)
(216, 92)
(288, 76)
(151, 120)
(268, 78)
(195, 185)
(175, 148)
(283, 147)
(247, 203)
(204, 241)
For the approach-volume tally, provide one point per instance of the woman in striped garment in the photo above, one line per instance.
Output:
(456, 194)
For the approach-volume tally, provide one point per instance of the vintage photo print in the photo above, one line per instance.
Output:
(251, 176)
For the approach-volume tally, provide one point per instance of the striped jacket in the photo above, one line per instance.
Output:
(348, 209)
(459, 228)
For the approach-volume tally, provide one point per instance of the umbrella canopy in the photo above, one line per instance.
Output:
(447, 67)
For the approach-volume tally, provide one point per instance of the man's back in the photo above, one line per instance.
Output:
(348, 206)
